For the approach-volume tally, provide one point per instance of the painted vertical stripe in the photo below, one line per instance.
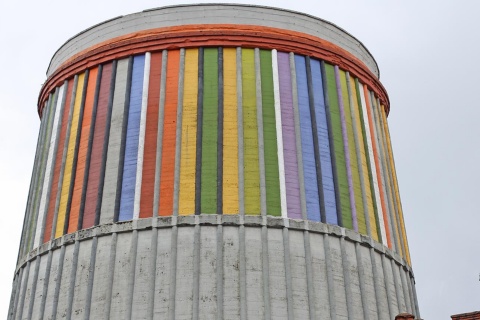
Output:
(58, 162)
(396, 189)
(261, 150)
(89, 148)
(151, 130)
(159, 136)
(341, 106)
(278, 123)
(106, 139)
(272, 182)
(386, 176)
(356, 111)
(93, 182)
(168, 136)
(47, 186)
(189, 134)
(230, 132)
(324, 144)
(219, 185)
(250, 135)
(241, 160)
(26, 219)
(319, 197)
(353, 149)
(112, 168)
(141, 136)
(132, 137)
(88, 107)
(209, 131)
(378, 216)
(67, 177)
(198, 156)
(339, 155)
(298, 136)
(34, 209)
(307, 146)
(76, 150)
(373, 164)
(288, 133)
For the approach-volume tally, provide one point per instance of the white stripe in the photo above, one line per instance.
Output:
(373, 168)
(278, 125)
(141, 137)
(46, 181)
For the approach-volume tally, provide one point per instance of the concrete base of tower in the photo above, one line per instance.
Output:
(213, 266)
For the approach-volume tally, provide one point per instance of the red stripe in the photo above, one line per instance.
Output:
(169, 135)
(82, 152)
(58, 164)
(151, 130)
(91, 197)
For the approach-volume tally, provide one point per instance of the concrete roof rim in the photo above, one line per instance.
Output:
(224, 5)
(277, 9)
(76, 35)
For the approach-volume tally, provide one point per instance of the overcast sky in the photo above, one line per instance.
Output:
(428, 53)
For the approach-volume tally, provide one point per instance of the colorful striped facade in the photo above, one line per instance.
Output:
(209, 127)
(216, 131)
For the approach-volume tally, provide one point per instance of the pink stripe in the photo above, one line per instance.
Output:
(288, 131)
(91, 198)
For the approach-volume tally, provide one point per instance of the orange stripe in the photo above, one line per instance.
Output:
(377, 164)
(169, 135)
(151, 130)
(58, 164)
(205, 35)
(82, 152)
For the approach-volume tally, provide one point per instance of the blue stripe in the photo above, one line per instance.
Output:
(324, 145)
(308, 153)
(131, 145)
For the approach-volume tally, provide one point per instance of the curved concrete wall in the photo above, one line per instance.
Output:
(212, 14)
(236, 166)
(213, 267)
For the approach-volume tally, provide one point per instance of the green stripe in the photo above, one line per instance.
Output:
(209, 132)
(362, 227)
(338, 146)
(250, 135)
(272, 182)
(367, 156)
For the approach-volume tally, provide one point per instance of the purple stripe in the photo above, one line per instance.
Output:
(346, 149)
(288, 130)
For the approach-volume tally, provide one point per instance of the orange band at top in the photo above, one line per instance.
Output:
(212, 35)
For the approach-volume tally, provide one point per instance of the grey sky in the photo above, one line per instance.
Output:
(428, 54)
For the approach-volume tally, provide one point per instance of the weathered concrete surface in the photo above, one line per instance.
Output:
(212, 14)
(201, 268)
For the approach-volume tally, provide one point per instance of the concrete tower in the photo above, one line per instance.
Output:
(213, 161)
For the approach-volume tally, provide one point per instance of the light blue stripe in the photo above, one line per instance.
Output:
(308, 152)
(131, 144)
(324, 145)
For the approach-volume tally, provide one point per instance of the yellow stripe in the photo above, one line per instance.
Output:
(189, 134)
(395, 186)
(230, 132)
(364, 168)
(250, 134)
(388, 184)
(67, 176)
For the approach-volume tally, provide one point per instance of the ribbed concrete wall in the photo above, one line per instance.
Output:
(213, 267)
(238, 166)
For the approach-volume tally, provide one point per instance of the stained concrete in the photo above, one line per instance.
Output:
(157, 268)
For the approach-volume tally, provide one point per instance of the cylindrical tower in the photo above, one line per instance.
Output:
(213, 161)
